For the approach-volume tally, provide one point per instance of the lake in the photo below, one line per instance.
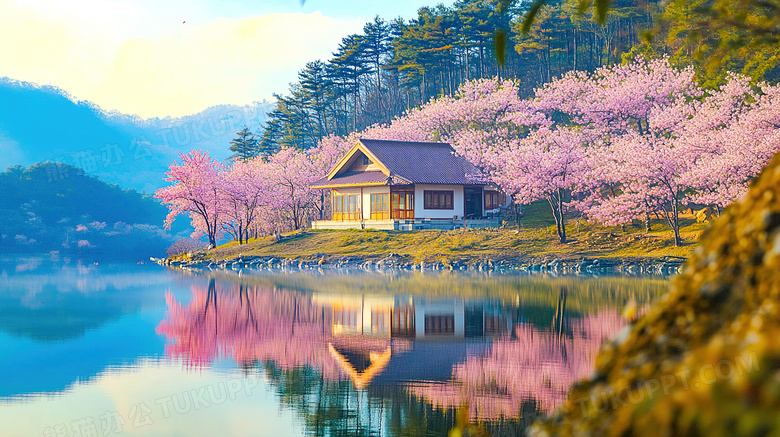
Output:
(93, 349)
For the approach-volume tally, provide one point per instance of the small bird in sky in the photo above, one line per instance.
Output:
(183, 22)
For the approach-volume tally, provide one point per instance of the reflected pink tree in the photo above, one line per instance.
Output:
(530, 364)
(248, 324)
(257, 324)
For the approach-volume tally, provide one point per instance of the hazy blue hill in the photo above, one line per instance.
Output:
(50, 206)
(42, 123)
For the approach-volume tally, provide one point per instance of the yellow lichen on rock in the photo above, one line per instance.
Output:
(705, 360)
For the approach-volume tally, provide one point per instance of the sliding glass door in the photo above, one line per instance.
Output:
(402, 204)
(346, 207)
(380, 206)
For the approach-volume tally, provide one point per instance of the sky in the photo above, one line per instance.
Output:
(158, 58)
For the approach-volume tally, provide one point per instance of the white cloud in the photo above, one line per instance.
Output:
(160, 66)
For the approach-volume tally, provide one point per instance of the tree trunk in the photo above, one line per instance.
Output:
(467, 76)
(676, 217)
(556, 204)
(647, 221)
(481, 61)
(322, 204)
(672, 217)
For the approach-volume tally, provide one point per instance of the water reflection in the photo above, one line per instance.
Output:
(322, 354)
(353, 351)
(64, 322)
(528, 365)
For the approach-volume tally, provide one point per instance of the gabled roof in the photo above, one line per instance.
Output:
(354, 178)
(376, 363)
(403, 162)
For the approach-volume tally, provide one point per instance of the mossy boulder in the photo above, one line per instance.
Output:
(704, 215)
(705, 359)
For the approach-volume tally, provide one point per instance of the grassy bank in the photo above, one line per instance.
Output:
(536, 237)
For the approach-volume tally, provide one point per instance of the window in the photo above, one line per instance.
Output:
(346, 317)
(366, 161)
(438, 199)
(491, 200)
(444, 324)
(346, 207)
(380, 320)
(494, 325)
(380, 206)
(402, 321)
(402, 203)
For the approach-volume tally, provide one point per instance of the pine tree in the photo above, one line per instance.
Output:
(348, 66)
(377, 45)
(244, 146)
(316, 90)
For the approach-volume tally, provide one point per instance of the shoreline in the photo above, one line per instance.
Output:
(629, 266)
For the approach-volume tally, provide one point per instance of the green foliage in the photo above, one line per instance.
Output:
(720, 36)
(245, 146)
(393, 67)
(41, 207)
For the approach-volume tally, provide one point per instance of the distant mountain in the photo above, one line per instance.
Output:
(43, 123)
(57, 207)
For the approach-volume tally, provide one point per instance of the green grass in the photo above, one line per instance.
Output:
(535, 238)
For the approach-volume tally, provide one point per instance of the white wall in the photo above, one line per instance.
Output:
(349, 190)
(457, 202)
(454, 308)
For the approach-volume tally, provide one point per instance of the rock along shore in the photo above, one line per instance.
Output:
(665, 266)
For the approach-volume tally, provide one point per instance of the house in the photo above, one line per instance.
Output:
(403, 185)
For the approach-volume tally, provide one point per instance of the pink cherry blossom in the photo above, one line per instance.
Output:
(196, 191)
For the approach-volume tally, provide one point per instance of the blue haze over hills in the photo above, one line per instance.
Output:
(44, 123)
(98, 202)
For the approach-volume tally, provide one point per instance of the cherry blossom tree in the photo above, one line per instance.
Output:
(548, 164)
(243, 197)
(648, 172)
(290, 174)
(321, 159)
(196, 191)
(622, 98)
(731, 138)
(634, 114)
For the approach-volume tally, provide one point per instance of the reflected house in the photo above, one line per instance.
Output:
(386, 338)
(413, 317)
(400, 185)
(359, 315)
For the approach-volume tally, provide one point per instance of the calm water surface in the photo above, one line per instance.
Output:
(116, 349)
